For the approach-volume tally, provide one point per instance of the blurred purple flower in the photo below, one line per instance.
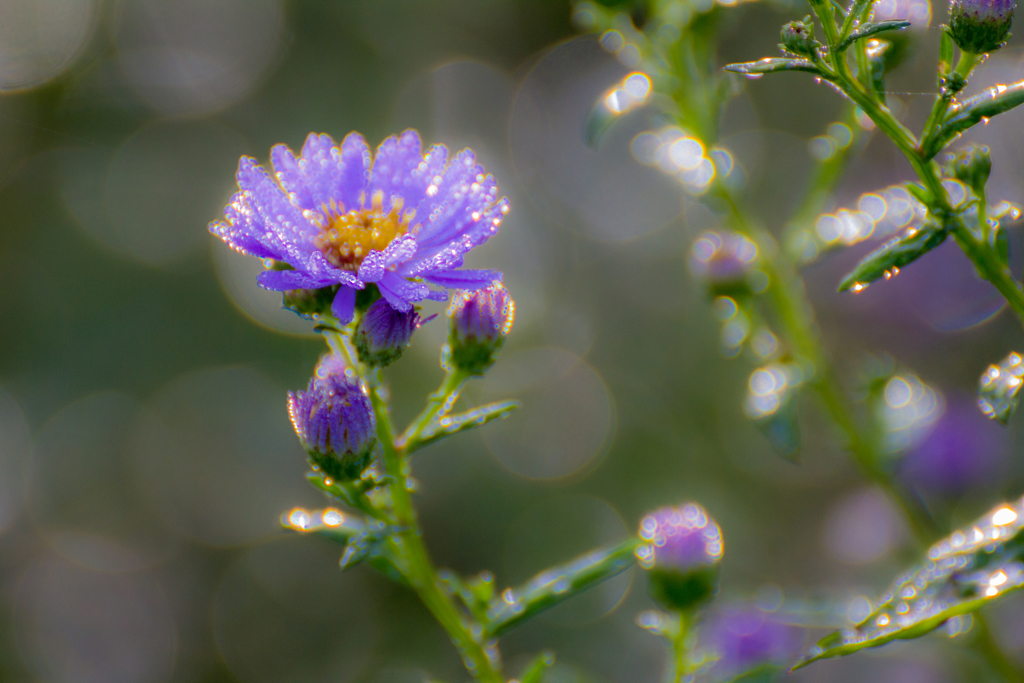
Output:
(334, 420)
(746, 637)
(338, 216)
(681, 538)
(681, 555)
(964, 450)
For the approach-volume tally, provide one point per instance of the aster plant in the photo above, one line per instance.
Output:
(757, 293)
(357, 241)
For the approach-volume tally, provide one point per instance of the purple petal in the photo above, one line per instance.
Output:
(394, 171)
(401, 293)
(243, 231)
(372, 268)
(465, 279)
(344, 305)
(324, 172)
(319, 267)
(283, 225)
(236, 235)
(283, 280)
(401, 249)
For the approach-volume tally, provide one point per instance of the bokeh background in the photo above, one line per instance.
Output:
(145, 452)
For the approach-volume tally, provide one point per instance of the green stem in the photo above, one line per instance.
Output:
(439, 402)
(968, 60)
(681, 652)
(417, 567)
(789, 300)
(984, 641)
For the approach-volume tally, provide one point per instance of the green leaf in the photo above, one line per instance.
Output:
(972, 111)
(535, 671)
(893, 255)
(453, 424)
(868, 29)
(772, 65)
(972, 567)
(558, 584)
(330, 523)
(999, 387)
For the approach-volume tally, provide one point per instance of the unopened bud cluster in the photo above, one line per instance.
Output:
(798, 38)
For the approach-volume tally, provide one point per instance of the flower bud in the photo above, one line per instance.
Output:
(334, 420)
(971, 166)
(726, 262)
(798, 38)
(309, 303)
(681, 555)
(383, 333)
(980, 26)
(479, 322)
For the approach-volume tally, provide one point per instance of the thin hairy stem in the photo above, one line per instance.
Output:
(416, 566)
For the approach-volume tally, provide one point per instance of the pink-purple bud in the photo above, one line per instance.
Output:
(383, 333)
(479, 322)
(980, 26)
(334, 420)
(682, 552)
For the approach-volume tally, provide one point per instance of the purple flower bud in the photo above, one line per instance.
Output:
(479, 322)
(383, 333)
(965, 450)
(334, 420)
(682, 553)
(980, 26)
(746, 637)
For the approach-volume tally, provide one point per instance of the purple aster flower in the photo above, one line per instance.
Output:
(479, 322)
(401, 220)
(383, 333)
(980, 26)
(744, 638)
(682, 551)
(334, 420)
(963, 451)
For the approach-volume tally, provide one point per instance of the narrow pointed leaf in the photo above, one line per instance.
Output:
(974, 110)
(974, 566)
(773, 64)
(329, 523)
(893, 255)
(453, 424)
(558, 584)
(868, 30)
(535, 671)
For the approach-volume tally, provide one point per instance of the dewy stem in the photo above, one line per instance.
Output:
(682, 654)
(437, 403)
(789, 299)
(417, 567)
(968, 60)
(985, 259)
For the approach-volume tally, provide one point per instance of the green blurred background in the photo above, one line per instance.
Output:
(145, 451)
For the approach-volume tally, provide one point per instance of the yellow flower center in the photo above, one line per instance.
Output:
(347, 237)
